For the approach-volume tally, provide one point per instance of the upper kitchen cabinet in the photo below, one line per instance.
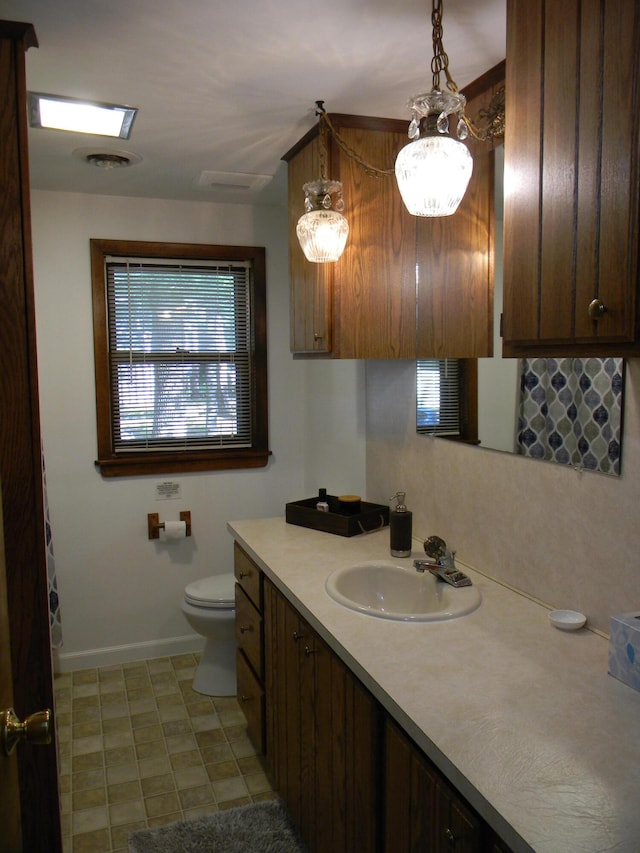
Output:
(362, 306)
(405, 286)
(571, 178)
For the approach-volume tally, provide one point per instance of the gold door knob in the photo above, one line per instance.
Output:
(596, 309)
(35, 729)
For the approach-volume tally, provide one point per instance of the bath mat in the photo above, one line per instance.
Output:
(259, 828)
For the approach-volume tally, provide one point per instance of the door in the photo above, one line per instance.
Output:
(26, 665)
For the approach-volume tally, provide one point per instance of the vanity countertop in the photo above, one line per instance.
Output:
(521, 717)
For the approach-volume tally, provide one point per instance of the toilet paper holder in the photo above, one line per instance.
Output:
(155, 525)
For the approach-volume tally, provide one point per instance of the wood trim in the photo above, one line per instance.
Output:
(113, 464)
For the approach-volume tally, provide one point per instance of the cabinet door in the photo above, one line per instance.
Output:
(455, 254)
(323, 735)
(571, 177)
(375, 279)
(310, 284)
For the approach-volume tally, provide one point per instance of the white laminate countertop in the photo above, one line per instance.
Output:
(522, 718)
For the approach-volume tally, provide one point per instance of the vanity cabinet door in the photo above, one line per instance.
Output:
(322, 733)
(422, 812)
(572, 201)
(250, 639)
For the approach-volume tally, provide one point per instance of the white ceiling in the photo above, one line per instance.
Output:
(230, 85)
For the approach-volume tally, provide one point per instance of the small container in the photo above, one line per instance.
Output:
(349, 504)
(322, 505)
(400, 527)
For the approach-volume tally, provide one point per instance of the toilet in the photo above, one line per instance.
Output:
(209, 607)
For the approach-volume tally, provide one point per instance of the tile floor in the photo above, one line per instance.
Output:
(138, 747)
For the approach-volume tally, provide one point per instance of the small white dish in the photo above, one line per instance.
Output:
(567, 620)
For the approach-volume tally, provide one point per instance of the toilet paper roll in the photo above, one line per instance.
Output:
(174, 530)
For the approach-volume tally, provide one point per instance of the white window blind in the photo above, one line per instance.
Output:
(438, 396)
(179, 353)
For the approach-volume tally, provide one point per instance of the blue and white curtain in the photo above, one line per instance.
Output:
(571, 411)
(54, 603)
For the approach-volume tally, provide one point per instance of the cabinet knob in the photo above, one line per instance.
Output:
(246, 698)
(309, 651)
(317, 336)
(450, 837)
(243, 575)
(596, 309)
(296, 636)
(245, 628)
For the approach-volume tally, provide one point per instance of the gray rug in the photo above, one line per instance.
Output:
(259, 828)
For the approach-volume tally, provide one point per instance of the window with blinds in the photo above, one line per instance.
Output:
(181, 364)
(438, 396)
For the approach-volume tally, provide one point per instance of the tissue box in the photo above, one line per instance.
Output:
(624, 648)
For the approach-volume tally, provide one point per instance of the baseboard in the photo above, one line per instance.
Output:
(113, 655)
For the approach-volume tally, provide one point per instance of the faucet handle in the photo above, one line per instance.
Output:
(435, 547)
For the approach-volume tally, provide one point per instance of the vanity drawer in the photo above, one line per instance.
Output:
(248, 575)
(249, 630)
(251, 700)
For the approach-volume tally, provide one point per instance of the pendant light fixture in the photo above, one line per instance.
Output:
(323, 230)
(433, 170)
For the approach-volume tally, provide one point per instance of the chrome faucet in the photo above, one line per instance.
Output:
(442, 562)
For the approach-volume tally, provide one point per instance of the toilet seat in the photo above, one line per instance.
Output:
(216, 592)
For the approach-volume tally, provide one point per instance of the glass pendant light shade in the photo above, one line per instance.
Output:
(322, 231)
(433, 174)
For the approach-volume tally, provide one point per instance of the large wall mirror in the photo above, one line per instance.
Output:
(564, 410)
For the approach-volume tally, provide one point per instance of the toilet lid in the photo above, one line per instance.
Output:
(215, 591)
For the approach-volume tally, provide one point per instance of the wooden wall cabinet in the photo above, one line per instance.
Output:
(405, 286)
(572, 196)
(323, 735)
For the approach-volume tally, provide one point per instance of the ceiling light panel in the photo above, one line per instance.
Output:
(72, 114)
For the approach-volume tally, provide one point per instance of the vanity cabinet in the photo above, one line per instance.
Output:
(323, 735)
(422, 811)
(250, 639)
(572, 160)
(395, 266)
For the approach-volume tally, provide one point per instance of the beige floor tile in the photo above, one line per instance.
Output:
(91, 842)
(122, 773)
(88, 820)
(139, 747)
(90, 798)
(190, 777)
(124, 792)
(88, 779)
(155, 785)
(229, 789)
(183, 760)
(128, 812)
(162, 804)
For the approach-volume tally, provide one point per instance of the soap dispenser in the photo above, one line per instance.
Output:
(400, 527)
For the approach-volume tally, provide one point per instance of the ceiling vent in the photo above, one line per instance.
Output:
(231, 181)
(107, 159)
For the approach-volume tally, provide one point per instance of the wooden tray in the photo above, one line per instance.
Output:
(304, 513)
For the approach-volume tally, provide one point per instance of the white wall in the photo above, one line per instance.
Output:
(117, 588)
(569, 539)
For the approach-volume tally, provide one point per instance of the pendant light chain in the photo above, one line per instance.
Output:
(440, 60)
(374, 171)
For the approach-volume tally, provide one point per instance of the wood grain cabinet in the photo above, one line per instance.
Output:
(422, 811)
(394, 265)
(323, 735)
(250, 638)
(572, 160)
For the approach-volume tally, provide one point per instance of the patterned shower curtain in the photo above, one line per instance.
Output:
(571, 411)
(54, 603)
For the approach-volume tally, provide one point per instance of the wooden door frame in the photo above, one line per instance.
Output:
(20, 453)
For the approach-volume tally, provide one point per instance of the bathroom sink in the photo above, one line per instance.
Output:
(391, 590)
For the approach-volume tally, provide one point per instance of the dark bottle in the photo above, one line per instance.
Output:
(400, 527)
